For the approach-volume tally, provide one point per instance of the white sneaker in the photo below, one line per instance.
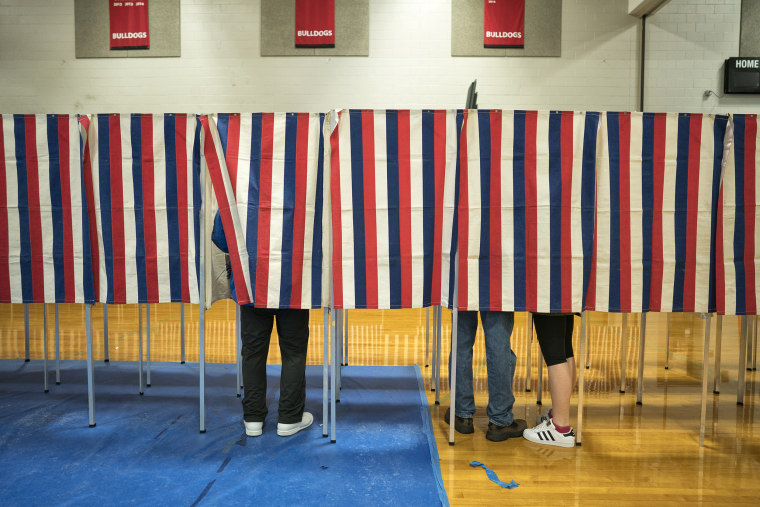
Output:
(546, 433)
(253, 429)
(541, 418)
(285, 430)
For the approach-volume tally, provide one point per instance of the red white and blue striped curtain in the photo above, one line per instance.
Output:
(268, 177)
(44, 228)
(525, 206)
(657, 193)
(738, 247)
(147, 197)
(391, 172)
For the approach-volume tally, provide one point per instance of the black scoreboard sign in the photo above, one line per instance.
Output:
(742, 75)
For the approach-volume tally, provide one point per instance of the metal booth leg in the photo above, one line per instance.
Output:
(754, 346)
(705, 372)
(581, 375)
(454, 349)
(147, 343)
(26, 332)
(752, 343)
(528, 361)
(427, 335)
(718, 339)
(57, 350)
(90, 371)
(325, 366)
(334, 374)
(623, 336)
(742, 361)
(588, 343)
(44, 345)
(238, 352)
(182, 333)
(202, 354)
(438, 357)
(345, 338)
(640, 379)
(139, 347)
(453, 371)
(105, 332)
(434, 351)
(339, 355)
(667, 341)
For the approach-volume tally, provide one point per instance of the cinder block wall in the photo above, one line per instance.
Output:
(687, 43)
(409, 63)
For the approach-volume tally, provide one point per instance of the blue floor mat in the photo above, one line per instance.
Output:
(148, 449)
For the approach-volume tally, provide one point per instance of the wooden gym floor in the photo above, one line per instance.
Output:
(630, 455)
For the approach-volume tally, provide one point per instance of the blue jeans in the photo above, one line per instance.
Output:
(500, 361)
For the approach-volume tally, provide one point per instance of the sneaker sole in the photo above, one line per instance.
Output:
(287, 433)
(550, 442)
(253, 433)
(292, 431)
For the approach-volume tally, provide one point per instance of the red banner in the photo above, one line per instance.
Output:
(504, 23)
(315, 23)
(129, 24)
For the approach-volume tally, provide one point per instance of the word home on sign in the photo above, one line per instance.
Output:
(748, 64)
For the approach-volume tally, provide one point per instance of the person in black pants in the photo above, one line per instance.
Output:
(555, 337)
(256, 329)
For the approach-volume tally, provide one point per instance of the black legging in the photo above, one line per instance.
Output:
(555, 336)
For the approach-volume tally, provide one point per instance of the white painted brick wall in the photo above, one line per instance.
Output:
(687, 43)
(409, 64)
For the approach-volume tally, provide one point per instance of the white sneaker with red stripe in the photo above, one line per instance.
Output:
(546, 433)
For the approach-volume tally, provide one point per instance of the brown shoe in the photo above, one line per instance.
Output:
(498, 433)
(461, 424)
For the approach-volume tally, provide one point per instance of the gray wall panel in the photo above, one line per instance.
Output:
(543, 29)
(351, 29)
(749, 43)
(278, 26)
(92, 30)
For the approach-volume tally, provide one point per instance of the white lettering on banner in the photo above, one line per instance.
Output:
(130, 35)
(314, 33)
(507, 35)
(748, 64)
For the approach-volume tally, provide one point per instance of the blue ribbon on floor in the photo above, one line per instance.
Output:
(495, 478)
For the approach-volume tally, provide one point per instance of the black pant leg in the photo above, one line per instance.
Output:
(255, 333)
(569, 324)
(293, 333)
(551, 331)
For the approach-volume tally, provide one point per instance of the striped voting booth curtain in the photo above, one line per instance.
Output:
(147, 199)
(267, 174)
(391, 173)
(44, 230)
(657, 192)
(738, 250)
(525, 205)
